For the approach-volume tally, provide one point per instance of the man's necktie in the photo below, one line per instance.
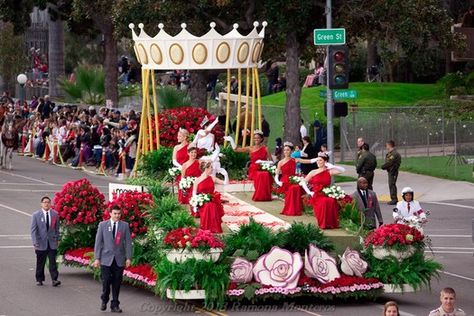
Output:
(114, 229)
(408, 206)
(47, 221)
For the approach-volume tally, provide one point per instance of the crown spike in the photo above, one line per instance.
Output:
(131, 26)
(255, 24)
(183, 25)
(212, 24)
(235, 26)
(161, 26)
(141, 26)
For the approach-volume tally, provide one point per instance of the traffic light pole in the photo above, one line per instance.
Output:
(330, 101)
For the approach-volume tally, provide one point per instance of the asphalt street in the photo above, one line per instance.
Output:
(449, 228)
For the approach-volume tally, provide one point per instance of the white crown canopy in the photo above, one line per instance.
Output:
(210, 51)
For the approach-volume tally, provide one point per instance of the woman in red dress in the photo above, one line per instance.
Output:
(211, 212)
(262, 180)
(180, 151)
(189, 169)
(326, 209)
(286, 168)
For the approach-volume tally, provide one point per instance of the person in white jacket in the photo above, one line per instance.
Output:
(408, 210)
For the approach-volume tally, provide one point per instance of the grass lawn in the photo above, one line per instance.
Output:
(369, 94)
(437, 167)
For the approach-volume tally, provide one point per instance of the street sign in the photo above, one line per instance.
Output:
(329, 36)
(345, 94)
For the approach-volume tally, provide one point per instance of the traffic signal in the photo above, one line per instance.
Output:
(338, 67)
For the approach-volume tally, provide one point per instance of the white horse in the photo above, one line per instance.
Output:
(9, 141)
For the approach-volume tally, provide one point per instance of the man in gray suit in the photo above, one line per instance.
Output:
(45, 237)
(367, 203)
(113, 252)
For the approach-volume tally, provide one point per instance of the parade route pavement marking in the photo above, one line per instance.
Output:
(25, 177)
(453, 204)
(14, 210)
(456, 275)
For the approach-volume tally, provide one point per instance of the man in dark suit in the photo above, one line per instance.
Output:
(113, 253)
(45, 237)
(367, 203)
(366, 164)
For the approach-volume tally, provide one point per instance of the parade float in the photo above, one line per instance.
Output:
(260, 255)
(176, 260)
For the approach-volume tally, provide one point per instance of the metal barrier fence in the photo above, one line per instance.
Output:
(417, 131)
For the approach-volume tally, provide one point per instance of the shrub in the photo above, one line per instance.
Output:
(300, 235)
(169, 97)
(155, 163)
(251, 241)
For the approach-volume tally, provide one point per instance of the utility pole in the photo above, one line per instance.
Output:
(330, 101)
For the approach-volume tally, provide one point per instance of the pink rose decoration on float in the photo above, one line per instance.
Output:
(320, 265)
(352, 264)
(279, 268)
(241, 271)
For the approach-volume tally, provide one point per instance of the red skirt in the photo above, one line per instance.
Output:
(326, 211)
(211, 217)
(263, 186)
(293, 202)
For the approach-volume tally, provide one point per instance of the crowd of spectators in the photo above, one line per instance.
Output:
(92, 128)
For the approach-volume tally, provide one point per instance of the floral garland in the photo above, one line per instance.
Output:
(78, 257)
(306, 285)
(141, 275)
(79, 202)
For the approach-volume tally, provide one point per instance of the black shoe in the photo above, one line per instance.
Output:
(103, 306)
(39, 283)
(56, 282)
(392, 203)
(115, 310)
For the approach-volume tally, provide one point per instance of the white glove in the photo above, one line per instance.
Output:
(176, 163)
(231, 141)
(313, 160)
(215, 153)
(304, 185)
(277, 181)
(211, 126)
(331, 166)
(264, 161)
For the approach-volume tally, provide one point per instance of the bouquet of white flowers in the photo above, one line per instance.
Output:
(174, 172)
(296, 180)
(335, 192)
(199, 200)
(186, 182)
(266, 166)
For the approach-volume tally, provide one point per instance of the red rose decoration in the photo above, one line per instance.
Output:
(133, 206)
(79, 202)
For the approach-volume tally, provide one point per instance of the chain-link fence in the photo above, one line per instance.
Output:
(417, 131)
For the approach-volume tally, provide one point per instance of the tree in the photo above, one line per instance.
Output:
(100, 12)
(12, 57)
(290, 25)
(409, 31)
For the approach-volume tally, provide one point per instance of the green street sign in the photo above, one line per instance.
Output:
(329, 36)
(345, 94)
